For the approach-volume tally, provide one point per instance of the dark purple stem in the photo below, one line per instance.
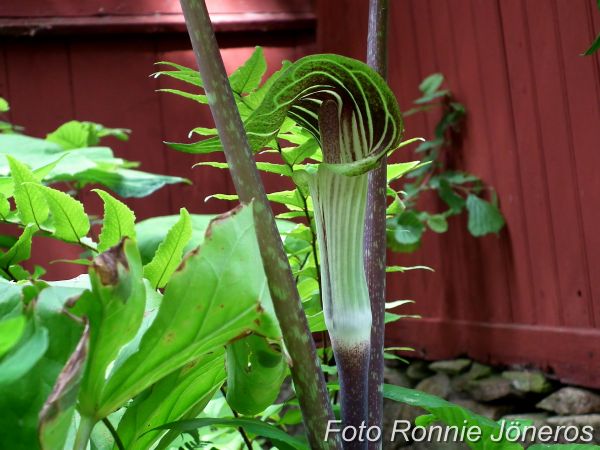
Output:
(375, 236)
(306, 372)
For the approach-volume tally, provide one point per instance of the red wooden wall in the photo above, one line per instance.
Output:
(91, 60)
(529, 296)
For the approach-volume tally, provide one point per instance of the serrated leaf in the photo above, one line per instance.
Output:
(247, 77)
(31, 202)
(454, 201)
(295, 155)
(406, 232)
(395, 171)
(170, 252)
(203, 147)
(20, 250)
(484, 217)
(182, 73)
(200, 98)
(70, 221)
(119, 221)
(279, 169)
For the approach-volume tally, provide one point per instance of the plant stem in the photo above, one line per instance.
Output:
(375, 232)
(84, 431)
(113, 433)
(306, 373)
(240, 429)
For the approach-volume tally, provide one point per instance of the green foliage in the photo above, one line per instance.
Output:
(31, 203)
(119, 222)
(596, 44)
(169, 252)
(69, 219)
(459, 191)
(255, 371)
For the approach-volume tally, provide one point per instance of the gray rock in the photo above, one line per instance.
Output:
(528, 381)
(396, 376)
(537, 419)
(489, 389)
(571, 401)
(493, 412)
(451, 366)
(477, 371)
(579, 421)
(418, 370)
(438, 384)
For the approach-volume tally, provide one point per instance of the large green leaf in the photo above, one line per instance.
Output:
(170, 252)
(186, 389)
(31, 203)
(218, 294)
(115, 309)
(484, 217)
(255, 371)
(128, 183)
(118, 223)
(452, 415)
(69, 219)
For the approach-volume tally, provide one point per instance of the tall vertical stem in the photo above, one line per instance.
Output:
(375, 235)
(306, 373)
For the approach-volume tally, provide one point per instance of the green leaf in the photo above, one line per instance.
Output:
(186, 390)
(278, 437)
(24, 356)
(594, 47)
(70, 221)
(454, 201)
(437, 223)
(129, 183)
(484, 217)
(4, 107)
(58, 410)
(74, 134)
(170, 252)
(255, 371)
(200, 98)
(406, 232)
(431, 84)
(203, 147)
(182, 73)
(295, 155)
(20, 251)
(247, 77)
(451, 414)
(114, 308)
(11, 330)
(279, 169)
(218, 294)
(119, 221)
(31, 202)
(4, 207)
(395, 171)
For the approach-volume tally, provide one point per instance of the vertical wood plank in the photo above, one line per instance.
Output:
(531, 163)
(581, 78)
(556, 141)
